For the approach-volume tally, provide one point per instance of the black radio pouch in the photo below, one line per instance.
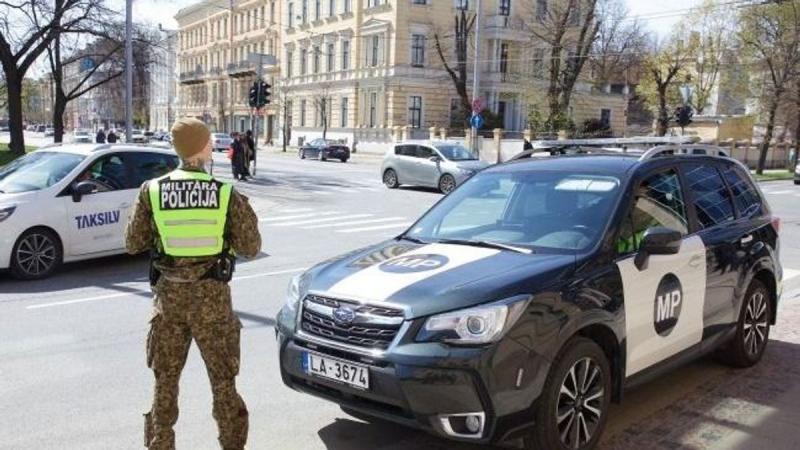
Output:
(155, 274)
(224, 266)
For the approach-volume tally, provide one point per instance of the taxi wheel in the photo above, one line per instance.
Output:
(752, 330)
(322, 156)
(390, 179)
(572, 410)
(447, 184)
(37, 254)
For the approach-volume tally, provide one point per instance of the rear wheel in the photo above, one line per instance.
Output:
(302, 154)
(322, 156)
(752, 330)
(390, 179)
(343, 159)
(447, 184)
(36, 254)
(796, 181)
(572, 410)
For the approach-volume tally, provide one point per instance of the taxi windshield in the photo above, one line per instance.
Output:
(36, 171)
(552, 212)
(456, 153)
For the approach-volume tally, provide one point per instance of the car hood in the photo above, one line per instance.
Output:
(12, 199)
(434, 278)
(471, 165)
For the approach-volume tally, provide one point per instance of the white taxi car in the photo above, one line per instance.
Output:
(71, 202)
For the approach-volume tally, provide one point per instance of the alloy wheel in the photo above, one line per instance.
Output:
(447, 184)
(756, 324)
(580, 403)
(36, 254)
(390, 178)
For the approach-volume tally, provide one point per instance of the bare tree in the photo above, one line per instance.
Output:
(619, 45)
(3, 92)
(568, 28)
(711, 29)
(322, 106)
(664, 67)
(457, 70)
(27, 27)
(770, 34)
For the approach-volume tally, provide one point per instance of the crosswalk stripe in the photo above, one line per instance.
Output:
(379, 227)
(291, 211)
(296, 216)
(788, 274)
(356, 222)
(313, 221)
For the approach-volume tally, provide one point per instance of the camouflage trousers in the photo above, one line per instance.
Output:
(201, 311)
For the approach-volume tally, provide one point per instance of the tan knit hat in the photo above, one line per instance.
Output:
(189, 137)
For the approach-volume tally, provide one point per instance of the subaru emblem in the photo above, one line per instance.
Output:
(344, 315)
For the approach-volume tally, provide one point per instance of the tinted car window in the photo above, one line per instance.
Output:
(745, 196)
(147, 166)
(404, 150)
(424, 152)
(658, 203)
(107, 173)
(711, 199)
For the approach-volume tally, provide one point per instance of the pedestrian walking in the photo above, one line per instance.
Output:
(527, 145)
(100, 138)
(239, 159)
(112, 137)
(193, 225)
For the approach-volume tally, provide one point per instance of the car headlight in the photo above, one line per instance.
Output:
(5, 213)
(478, 325)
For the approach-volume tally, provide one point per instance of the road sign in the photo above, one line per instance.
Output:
(477, 105)
(476, 121)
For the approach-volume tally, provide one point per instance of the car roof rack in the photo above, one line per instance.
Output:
(684, 150)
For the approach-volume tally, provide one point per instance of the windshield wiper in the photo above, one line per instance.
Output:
(411, 239)
(486, 244)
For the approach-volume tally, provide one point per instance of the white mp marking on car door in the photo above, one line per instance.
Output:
(663, 304)
(378, 282)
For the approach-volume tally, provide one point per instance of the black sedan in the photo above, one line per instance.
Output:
(323, 150)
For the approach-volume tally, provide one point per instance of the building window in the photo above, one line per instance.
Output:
(317, 9)
(272, 12)
(605, 117)
(302, 113)
(419, 2)
(504, 59)
(415, 111)
(462, 4)
(316, 59)
(541, 10)
(290, 10)
(329, 58)
(331, 7)
(343, 112)
(376, 40)
(348, 6)
(417, 50)
(505, 8)
(373, 3)
(373, 109)
(304, 16)
(289, 63)
(538, 62)
(303, 61)
(345, 55)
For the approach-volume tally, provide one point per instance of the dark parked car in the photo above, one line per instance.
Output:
(323, 150)
(530, 298)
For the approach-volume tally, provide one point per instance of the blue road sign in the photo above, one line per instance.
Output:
(476, 121)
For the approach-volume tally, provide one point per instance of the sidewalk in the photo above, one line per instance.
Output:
(718, 407)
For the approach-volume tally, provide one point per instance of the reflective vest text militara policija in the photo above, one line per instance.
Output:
(190, 210)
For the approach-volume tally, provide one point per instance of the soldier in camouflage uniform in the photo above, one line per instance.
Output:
(190, 302)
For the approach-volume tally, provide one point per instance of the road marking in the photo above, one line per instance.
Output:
(327, 219)
(292, 211)
(296, 216)
(148, 291)
(381, 227)
(356, 222)
(788, 274)
(780, 192)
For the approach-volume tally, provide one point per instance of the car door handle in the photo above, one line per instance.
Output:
(746, 240)
(124, 205)
(696, 261)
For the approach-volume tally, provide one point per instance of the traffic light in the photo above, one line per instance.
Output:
(253, 97)
(265, 94)
(683, 115)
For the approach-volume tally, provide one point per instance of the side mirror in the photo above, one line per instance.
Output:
(82, 188)
(657, 241)
(435, 158)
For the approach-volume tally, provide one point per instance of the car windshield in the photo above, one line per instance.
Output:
(455, 153)
(38, 170)
(540, 211)
(221, 135)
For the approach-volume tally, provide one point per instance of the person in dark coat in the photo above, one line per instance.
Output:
(100, 138)
(239, 161)
(112, 137)
(251, 144)
(527, 145)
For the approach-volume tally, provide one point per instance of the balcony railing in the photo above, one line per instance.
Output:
(241, 69)
(499, 26)
(192, 77)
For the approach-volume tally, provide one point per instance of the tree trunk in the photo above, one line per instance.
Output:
(14, 89)
(662, 121)
(764, 147)
(59, 108)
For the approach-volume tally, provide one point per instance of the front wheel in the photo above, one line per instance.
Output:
(752, 329)
(390, 179)
(447, 184)
(572, 410)
(302, 154)
(321, 156)
(37, 254)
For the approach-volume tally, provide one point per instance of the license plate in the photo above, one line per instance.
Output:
(354, 375)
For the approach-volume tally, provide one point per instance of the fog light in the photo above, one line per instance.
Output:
(473, 424)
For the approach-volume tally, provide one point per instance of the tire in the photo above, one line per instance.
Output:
(581, 368)
(390, 179)
(752, 329)
(796, 182)
(447, 184)
(302, 154)
(321, 156)
(36, 254)
(344, 160)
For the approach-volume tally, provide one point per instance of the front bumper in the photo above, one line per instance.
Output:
(432, 387)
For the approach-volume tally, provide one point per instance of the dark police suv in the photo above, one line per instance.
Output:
(517, 308)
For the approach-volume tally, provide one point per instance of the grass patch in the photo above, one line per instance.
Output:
(774, 175)
(6, 156)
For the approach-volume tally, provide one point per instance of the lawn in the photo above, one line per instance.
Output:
(774, 175)
(6, 156)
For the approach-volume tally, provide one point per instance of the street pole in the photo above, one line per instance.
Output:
(128, 70)
(476, 73)
(259, 74)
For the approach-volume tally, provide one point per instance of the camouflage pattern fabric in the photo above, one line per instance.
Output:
(186, 308)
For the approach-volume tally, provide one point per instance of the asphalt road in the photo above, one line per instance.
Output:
(72, 364)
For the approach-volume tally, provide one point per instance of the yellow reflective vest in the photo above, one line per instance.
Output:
(190, 210)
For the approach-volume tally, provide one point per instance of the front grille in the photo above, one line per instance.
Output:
(375, 327)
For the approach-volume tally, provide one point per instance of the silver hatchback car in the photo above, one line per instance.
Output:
(440, 164)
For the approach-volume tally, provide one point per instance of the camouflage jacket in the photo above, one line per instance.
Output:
(141, 235)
